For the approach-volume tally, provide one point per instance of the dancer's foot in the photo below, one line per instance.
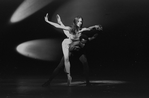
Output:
(69, 80)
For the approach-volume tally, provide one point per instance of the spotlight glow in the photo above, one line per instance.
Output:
(44, 49)
(27, 8)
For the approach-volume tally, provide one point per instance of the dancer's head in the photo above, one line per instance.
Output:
(77, 24)
(78, 21)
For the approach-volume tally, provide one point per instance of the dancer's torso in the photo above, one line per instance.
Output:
(74, 37)
(73, 40)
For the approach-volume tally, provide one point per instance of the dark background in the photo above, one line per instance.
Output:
(122, 50)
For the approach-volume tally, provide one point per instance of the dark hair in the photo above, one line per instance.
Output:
(74, 27)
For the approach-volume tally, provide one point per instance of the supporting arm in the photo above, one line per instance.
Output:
(97, 27)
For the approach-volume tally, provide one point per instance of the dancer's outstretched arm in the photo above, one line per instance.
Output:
(56, 24)
(97, 27)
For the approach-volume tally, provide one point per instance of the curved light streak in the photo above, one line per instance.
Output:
(43, 49)
(27, 8)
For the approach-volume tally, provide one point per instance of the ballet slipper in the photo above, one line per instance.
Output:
(69, 80)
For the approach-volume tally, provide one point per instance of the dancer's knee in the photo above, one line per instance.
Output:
(66, 61)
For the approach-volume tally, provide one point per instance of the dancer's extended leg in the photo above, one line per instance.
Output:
(55, 72)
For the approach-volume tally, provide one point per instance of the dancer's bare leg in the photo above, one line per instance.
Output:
(65, 48)
(55, 72)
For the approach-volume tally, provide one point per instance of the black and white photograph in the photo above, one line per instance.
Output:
(74, 48)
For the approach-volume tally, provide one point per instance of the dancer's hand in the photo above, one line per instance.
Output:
(46, 17)
(58, 19)
(98, 27)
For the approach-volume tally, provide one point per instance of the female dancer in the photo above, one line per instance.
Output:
(73, 34)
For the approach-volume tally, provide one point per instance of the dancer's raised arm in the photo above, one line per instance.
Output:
(66, 32)
(59, 20)
(56, 24)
